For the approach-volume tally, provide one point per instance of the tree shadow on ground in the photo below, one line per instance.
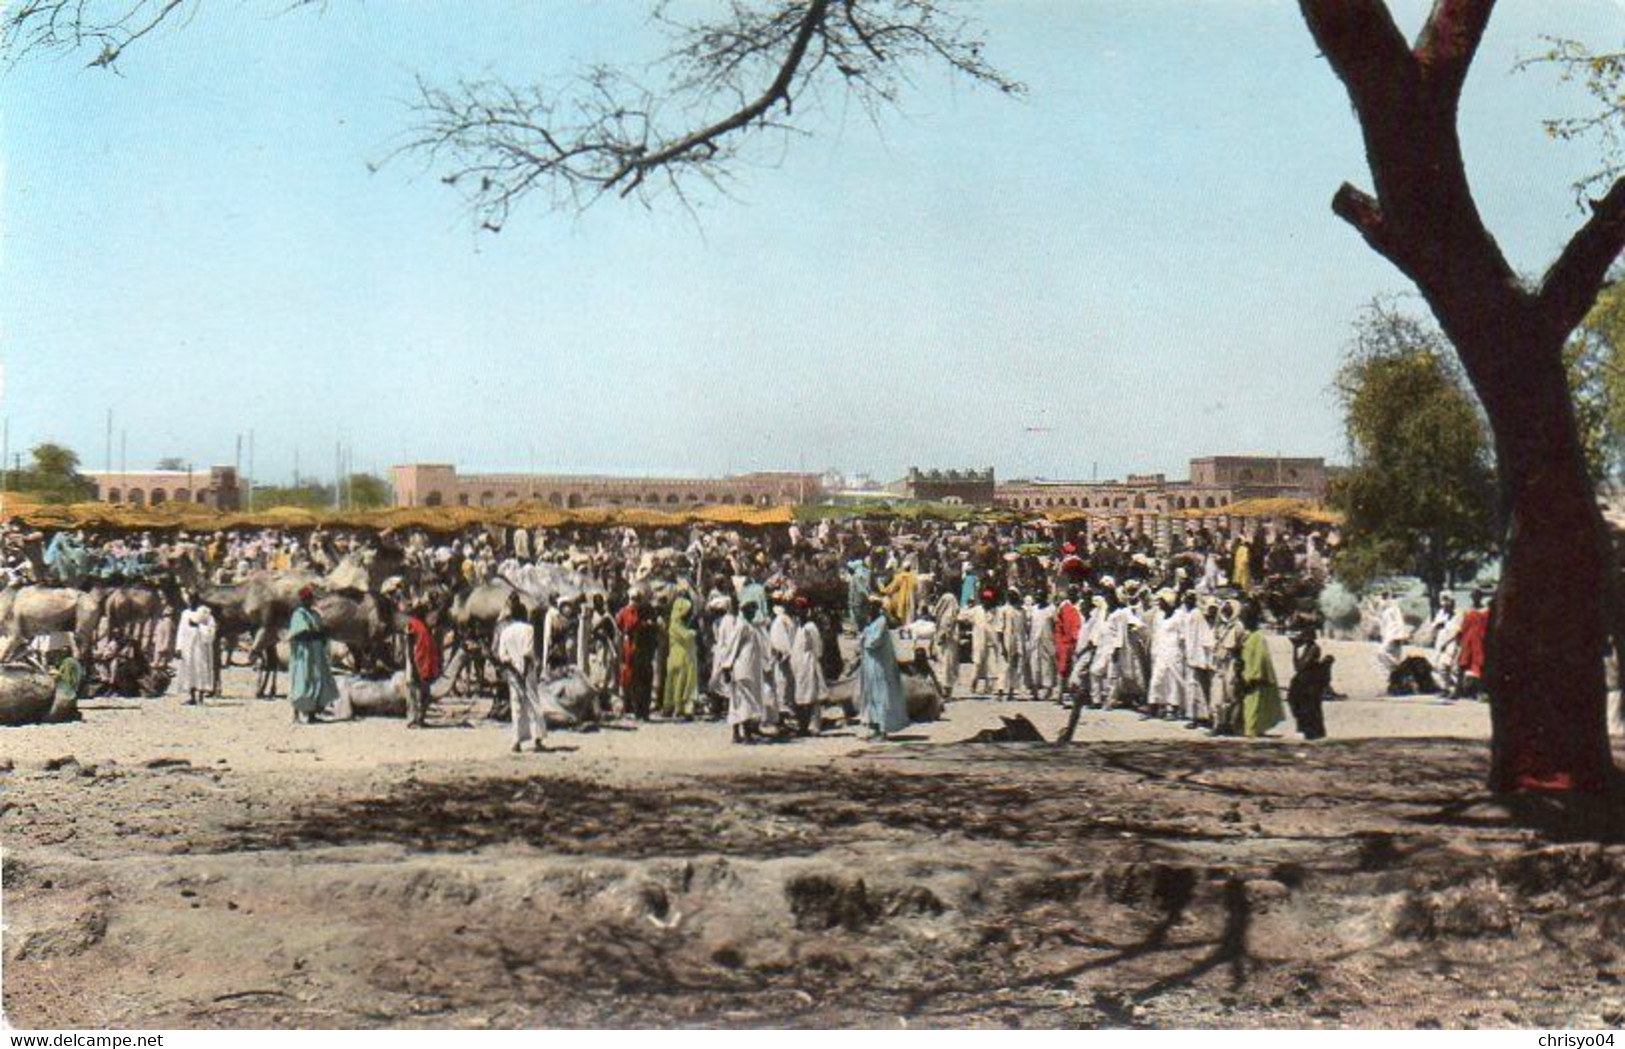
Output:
(1557, 818)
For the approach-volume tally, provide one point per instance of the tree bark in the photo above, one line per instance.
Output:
(1550, 620)
(1548, 630)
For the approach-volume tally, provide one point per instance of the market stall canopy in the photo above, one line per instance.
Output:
(1275, 506)
(450, 519)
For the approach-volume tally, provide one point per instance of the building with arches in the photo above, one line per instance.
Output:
(1215, 482)
(218, 487)
(439, 484)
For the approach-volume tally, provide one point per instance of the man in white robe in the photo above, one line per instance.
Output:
(1041, 647)
(1081, 678)
(1109, 635)
(1166, 696)
(515, 650)
(986, 665)
(945, 642)
(722, 639)
(806, 649)
(1122, 621)
(1198, 662)
(1392, 632)
(1011, 626)
(744, 668)
(1211, 578)
(781, 636)
(1446, 625)
(194, 648)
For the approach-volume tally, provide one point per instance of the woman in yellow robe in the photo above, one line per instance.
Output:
(1260, 695)
(1242, 574)
(682, 662)
(899, 595)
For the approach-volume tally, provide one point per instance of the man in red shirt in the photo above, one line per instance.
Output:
(626, 621)
(1068, 625)
(422, 666)
(1475, 626)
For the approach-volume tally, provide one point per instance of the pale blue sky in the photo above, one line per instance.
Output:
(1140, 252)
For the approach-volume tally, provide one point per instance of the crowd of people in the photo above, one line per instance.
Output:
(760, 626)
(1454, 667)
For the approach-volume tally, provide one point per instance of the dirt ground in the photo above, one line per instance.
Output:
(168, 866)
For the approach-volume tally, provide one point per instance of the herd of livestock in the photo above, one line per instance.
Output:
(115, 621)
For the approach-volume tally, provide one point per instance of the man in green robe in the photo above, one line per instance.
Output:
(682, 662)
(1260, 695)
(69, 675)
(310, 676)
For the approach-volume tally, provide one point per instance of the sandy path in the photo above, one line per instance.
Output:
(243, 733)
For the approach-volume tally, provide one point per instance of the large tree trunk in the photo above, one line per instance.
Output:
(1548, 630)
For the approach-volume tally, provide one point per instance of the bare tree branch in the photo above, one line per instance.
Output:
(727, 81)
(107, 26)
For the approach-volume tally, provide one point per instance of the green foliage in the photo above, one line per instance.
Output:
(308, 496)
(363, 492)
(171, 462)
(367, 491)
(1419, 498)
(1603, 75)
(53, 476)
(1595, 358)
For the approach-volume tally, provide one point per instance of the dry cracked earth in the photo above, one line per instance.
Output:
(1145, 884)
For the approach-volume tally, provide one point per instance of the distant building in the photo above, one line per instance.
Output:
(1260, 475)
(218, 487)
(438, 484)
(1215, 482)
(968, 487)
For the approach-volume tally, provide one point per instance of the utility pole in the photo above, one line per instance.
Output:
(107, 460)
(251, 469)
(5, 453)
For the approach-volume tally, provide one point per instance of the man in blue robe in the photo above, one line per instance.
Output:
(969, 584)
(880, 684)
(64, 556)
(857, 591)
(310, 675)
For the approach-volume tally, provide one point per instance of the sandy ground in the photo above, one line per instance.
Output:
(257, 735)
(174, 866)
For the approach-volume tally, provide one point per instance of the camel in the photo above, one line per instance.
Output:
(473, 612)
(925, 695)
(28, 611)
(570, 700)
(361, 697)
(364, 624)
(28, 697)
(261, 605)
(258, 606)
(134, 609)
